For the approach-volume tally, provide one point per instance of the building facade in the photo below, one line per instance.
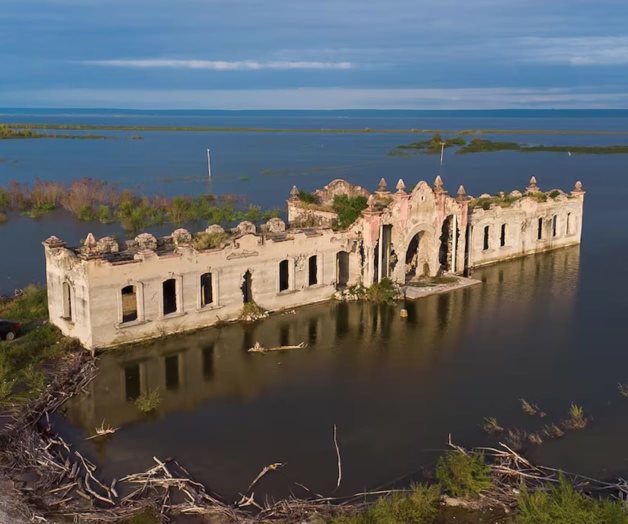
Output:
(107, 294)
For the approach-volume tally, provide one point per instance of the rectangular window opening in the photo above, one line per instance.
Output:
(539, 232)
(207, 293)
(208, 362)
(312, 270)
(170, 296)
(569, 223)
(172, 371)
(502, 237)
(284, 275)
(129, 304)
(67, 301)
(554, 225)
(132, 385)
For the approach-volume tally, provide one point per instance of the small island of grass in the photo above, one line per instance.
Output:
(431, 146)
(8, 132)
(483, 145)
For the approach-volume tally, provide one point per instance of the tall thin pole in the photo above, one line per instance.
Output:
(442, 152)
(209, 164)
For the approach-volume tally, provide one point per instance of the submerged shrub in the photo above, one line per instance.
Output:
(491, 425)
(577, 420)
(463, 475)
(148, 401)
(562, 504)
(382, 292)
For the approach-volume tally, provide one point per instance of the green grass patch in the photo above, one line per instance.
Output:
(418, 506)
(22, 360)
(463, 475)
(433, 281)
(206, 240)
(484, 145)
(431, 146)
(562, 504)
(501, 201)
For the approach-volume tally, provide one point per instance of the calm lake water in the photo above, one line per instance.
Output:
(548, 328)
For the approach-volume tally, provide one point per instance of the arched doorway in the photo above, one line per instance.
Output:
(247, 288)
(417, 257)
(447, 242)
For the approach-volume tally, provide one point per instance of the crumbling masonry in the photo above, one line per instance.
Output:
(106, 294)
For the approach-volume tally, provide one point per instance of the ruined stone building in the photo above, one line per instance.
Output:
(107, 294)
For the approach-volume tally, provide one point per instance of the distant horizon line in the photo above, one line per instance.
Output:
(336, 110)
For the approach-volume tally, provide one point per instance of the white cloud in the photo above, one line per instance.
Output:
(218, 65)
(320, 98)
(576, 51)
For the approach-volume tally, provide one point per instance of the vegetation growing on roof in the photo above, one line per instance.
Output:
(348, 209)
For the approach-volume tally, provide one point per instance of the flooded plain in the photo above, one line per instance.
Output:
(549, 328)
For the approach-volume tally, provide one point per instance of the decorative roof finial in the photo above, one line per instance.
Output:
(577, 189)
(438, 183)
(461, 194)
(532, 186)
(382, 187)
(90, 241)
(294, 193)
(371, 202)
(401, 186)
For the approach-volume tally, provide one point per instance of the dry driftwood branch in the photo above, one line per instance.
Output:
(267, 469)
(339, 480)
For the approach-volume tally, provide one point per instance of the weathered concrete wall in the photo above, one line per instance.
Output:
(521, 222)
(401, 235)
(97, 320)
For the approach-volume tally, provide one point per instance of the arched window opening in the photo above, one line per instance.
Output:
(169, 296)
(554, 225)
(569, 223)
(487, 231)
(502, 236)
(284, 275)
(207, 292)
(129, 303)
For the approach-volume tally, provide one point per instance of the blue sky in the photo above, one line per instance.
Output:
(323, 54)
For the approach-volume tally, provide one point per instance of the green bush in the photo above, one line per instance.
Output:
(383, 292)
(4, 199)
(105, 216)
(148, 401)
(309, 198)
(419, 506)
(463, 475)
(562, 504)
(348, 209)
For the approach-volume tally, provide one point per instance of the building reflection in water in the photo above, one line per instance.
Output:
(350, 338)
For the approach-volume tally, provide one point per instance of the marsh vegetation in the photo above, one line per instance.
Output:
(90, 199)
